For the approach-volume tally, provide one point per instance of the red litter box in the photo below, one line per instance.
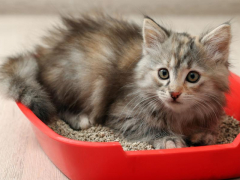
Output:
(108, 161)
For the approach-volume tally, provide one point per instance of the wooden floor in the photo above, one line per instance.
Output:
(21, 157)
(20, 154)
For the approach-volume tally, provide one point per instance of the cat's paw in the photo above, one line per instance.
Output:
(169, 142)
(77, 122)
(84, 122)
(203, 138)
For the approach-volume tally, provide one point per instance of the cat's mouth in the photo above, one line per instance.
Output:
(174, 101)
(175, 105)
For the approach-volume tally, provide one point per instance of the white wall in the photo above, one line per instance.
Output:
(163, 7)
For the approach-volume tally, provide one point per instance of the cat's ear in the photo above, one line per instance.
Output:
(216, 43)
(153, 33)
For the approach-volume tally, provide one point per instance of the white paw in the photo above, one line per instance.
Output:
(76, 122)
(84, 122)
(169, 142)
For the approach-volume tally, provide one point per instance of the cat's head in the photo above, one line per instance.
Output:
(182, 70)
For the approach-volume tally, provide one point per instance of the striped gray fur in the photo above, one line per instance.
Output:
(97, 69)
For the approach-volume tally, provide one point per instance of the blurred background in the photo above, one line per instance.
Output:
(24, 22)
(158, 7)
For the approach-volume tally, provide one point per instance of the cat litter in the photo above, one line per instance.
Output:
(229, 129)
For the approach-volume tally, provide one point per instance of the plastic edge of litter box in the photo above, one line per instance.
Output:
(112, 155)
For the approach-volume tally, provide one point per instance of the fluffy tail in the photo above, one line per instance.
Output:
(18, 81)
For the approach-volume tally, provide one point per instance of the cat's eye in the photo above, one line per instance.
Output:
(163, 73)
(193, 77)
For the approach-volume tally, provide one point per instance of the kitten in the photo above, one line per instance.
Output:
(149, 84)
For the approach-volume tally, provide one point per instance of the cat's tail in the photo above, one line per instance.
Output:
(18, 81)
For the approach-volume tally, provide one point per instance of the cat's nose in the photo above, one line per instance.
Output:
(175, 95)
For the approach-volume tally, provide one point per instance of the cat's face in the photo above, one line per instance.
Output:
(184, 71)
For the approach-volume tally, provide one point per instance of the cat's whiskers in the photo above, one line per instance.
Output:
(138, 103)
(214, 98)
(136, 98)
(131, 101)
(152, 103)
(204, 104)
(144, 105)
(162, 95)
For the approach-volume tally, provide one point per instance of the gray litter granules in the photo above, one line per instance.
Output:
(229, 129)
